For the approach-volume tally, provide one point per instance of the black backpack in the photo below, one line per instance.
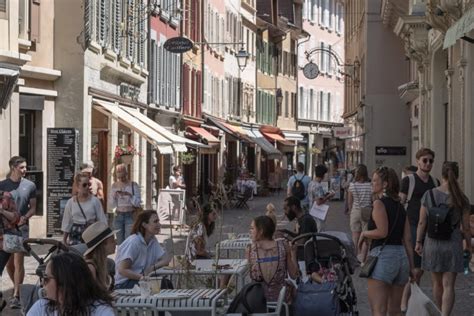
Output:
(251, 299)
(298, 189)
(439, 220)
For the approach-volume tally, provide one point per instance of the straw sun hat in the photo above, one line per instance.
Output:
(95, 234)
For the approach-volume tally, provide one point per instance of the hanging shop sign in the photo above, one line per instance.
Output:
(390, 150)
(342, 132)
(178, 45)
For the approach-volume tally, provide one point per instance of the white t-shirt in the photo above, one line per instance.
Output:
(40, 309)
(72, 213)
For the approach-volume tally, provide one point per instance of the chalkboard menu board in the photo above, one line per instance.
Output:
(63, 151)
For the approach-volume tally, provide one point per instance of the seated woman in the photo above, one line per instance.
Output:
(140, 254)
(100, 241)
(197, 239)
(71, 290)
(271, 261)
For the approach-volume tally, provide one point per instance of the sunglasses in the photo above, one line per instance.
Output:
(46, 278)
(426, 160)
(85, 185)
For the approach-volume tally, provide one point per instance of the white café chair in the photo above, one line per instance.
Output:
(275, 306)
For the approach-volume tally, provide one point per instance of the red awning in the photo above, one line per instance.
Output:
(278, 138)
(199, 131)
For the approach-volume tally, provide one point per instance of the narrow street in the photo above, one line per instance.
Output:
(238, 221)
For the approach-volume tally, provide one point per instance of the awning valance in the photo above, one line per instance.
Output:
(178, 142)
(234, 130)
(464, 25)
(127, 119)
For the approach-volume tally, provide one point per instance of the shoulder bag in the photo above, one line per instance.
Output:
(369, 265)
(75, 235)
(13, 241)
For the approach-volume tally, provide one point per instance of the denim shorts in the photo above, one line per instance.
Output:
(392, 265)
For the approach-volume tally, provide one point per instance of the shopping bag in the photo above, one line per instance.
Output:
(419, 304)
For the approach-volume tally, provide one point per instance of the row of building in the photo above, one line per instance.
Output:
(413, 83)
(100, 67)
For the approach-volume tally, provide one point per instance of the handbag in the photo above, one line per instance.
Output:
(312, 297)
(75, 235)
(371, 261)
(13, 242)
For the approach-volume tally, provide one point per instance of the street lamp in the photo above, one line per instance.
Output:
(242, 57)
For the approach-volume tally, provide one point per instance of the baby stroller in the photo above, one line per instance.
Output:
(332, 255)
(30, 293)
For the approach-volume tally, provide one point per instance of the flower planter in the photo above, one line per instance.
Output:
(126, 159)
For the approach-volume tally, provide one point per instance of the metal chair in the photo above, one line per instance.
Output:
(242, 199)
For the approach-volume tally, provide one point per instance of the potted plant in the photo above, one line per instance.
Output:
(187, 158)
(125, 153)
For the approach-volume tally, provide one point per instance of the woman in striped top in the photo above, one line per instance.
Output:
(360, 203)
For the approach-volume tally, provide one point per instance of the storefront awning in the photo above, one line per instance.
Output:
(293, 136)
(463, 26)
(199, 131)
(178, 142)
(154, 138)
(234, 130)
(262, 142)
(8, 78)
(278, 138)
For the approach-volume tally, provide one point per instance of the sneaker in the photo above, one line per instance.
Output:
(15, 303)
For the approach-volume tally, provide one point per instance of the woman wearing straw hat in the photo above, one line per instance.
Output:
(100, 242)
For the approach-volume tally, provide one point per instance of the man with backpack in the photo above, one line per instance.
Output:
(298, 186)
(413, 188)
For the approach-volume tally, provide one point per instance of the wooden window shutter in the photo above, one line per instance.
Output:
(35, 14)
(130, 28)
(199, 93)
(193, 93)
(142, 18)
(186, 89)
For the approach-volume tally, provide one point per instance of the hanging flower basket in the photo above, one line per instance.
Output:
(301, 150)
(315, 150)
(124, 154)
(126, 159)
(187, 158)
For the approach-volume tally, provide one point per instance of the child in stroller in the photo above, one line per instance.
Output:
(329, 260)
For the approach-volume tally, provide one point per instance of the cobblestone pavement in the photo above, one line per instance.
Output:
(238, 221)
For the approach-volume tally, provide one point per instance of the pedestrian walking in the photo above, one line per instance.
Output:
(96, 187)
(124, 198)
(9, 217)
(317, 194)
(297, 186)
(197, 241)
(389, 233)
(440, 243)
(71, 290)
(80, 212)
(271, 261)
(359, 198)
(23, 192)
(100, 241)
(140, 254)
(413, 188)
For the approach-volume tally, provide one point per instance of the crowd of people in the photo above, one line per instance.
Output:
(389, 219)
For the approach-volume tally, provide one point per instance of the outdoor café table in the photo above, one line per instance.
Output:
(237, 267)
(185, 300)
